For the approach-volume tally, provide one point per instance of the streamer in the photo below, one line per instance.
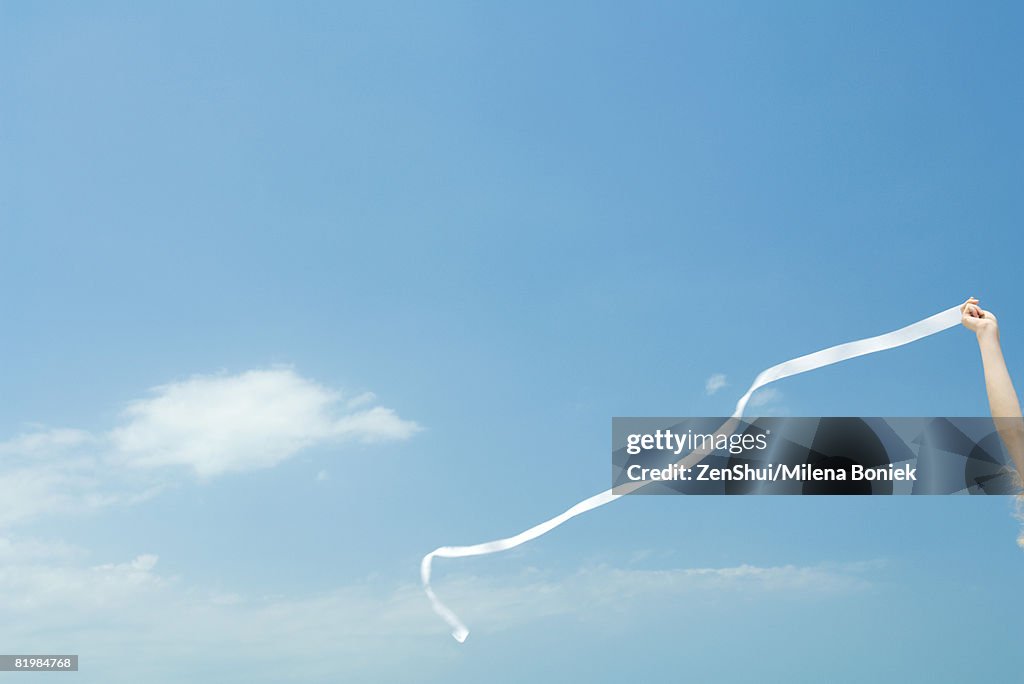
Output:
(826, 357)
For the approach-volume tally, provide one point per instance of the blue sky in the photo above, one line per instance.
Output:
(508, 224)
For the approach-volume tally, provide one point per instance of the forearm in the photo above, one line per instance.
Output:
(1002, 398)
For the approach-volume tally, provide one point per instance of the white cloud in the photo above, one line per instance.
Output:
(208, 424)
(374, 425)
(361, 400)
(1020, 516)
(766, 396)
(14, 551)
(54, 486)
(44, 441)
(36, 576)
(221, 423)
(358, 632)
(715, 383)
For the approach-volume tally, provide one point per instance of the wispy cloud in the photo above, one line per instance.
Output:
(208, 425)
(1020, 516)
(45, 442)
(361, 400)
(113, 607)
(215, 424)
(765, 396)
(715, 383)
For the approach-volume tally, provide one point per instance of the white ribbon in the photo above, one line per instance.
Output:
(826, 357)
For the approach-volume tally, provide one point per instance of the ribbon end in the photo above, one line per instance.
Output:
(460, 634)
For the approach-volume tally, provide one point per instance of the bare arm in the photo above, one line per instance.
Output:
(1002, 397)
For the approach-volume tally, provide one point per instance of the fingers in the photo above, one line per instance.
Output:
(971, 309)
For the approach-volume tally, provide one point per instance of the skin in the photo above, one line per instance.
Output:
(1002, 398)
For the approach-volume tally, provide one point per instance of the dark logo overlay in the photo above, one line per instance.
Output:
(812, 456)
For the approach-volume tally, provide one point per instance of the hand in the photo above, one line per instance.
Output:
(978, 320)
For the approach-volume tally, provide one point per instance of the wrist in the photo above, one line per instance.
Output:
(988, 333)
